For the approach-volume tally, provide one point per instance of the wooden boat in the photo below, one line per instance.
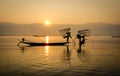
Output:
(44, 44)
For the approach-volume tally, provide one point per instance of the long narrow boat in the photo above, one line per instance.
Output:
(44, 44)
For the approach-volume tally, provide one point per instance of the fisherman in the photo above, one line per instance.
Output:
(81, 39)
(67, 35)
(23, 39)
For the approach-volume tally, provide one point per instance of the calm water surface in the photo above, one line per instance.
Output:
(100, 56)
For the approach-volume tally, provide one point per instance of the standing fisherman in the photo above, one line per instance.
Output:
(67, 35)
(81, 39)
(23, 39)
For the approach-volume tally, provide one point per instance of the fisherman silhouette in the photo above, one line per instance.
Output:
(23, 39)
(81, 39)
(67, 35)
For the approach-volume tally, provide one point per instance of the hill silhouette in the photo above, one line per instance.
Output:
(8, 29)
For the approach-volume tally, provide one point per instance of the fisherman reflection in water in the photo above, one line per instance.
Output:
(68, 53)
(68, 35)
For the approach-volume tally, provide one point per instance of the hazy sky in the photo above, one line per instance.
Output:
(60, 11)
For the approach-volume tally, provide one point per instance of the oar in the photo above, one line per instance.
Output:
(73, 40)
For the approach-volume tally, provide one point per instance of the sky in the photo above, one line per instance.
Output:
(60, 11)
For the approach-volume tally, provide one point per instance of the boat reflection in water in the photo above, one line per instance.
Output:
(69, 52)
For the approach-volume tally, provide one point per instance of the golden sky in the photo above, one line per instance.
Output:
(60, 11)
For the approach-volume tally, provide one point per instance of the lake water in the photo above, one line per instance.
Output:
(99, 56)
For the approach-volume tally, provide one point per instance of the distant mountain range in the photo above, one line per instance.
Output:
(8, 29)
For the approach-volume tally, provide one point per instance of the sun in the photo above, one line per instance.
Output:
(47, 22)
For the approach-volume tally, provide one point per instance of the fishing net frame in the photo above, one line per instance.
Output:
(64, 31)
(85, 32)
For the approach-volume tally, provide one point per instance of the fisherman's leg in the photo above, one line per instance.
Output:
(67, 39)
(83, 39)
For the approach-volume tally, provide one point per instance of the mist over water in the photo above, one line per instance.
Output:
(102, 29)
(98, 56)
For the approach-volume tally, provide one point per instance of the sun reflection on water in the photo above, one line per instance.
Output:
(47, 39)
(46, 50)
